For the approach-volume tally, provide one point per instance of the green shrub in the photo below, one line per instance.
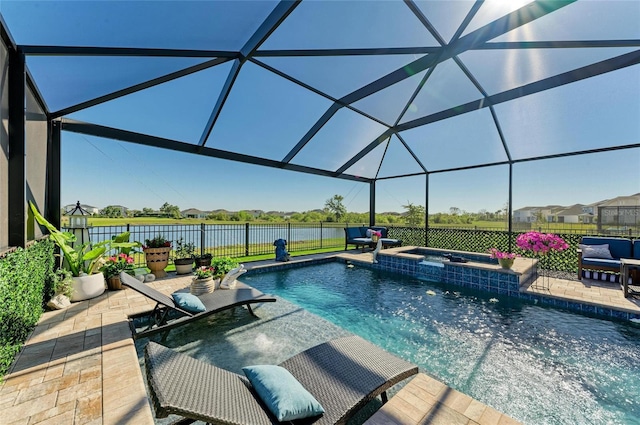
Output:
(26, 279)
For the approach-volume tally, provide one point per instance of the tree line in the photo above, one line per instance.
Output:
(334, 211)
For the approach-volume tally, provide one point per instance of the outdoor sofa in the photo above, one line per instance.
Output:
(594, 255)
(343, 375)
(360, 237)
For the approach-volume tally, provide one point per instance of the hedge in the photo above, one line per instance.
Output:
(26, 276)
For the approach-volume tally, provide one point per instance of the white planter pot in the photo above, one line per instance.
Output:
(87, 287)
(184, 268)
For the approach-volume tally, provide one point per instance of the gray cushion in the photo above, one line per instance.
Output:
(283, 395)
(596, 251)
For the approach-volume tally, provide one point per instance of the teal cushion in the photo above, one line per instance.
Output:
(283, 395)
(188, 302)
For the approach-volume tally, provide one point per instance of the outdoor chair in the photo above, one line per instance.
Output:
(342, 375)
(167, 314)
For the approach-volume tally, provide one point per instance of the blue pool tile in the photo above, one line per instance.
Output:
(620, 315)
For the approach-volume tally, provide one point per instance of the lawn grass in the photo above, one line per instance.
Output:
(261, 257)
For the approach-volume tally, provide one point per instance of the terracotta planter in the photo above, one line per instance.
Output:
(87, 287)
(113, 283)
(157, 260)
(203, 286)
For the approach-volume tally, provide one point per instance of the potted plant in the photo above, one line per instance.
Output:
(183, 256)
(113, 266)
(82, 261)
(62, 290)
(121, 260)
(222, 266)
(203, 282)
(156, 253)
(505, 259)
(203, 260)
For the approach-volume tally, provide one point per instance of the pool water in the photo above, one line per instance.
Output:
(536, 364)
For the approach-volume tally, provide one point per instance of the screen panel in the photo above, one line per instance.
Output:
(464, 140)
(445, 88)
(583, 20)
(178, 109)
(69, 80)
(340, 139)
(338, 75)
(350, 24)
(265, 115)
(594, 113)
(171, 24)
(517, 67)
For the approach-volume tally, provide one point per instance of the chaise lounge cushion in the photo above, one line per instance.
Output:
(188, 302)
(283, 395)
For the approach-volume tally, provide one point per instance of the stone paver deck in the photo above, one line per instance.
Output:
(79, 366)
(425, 400)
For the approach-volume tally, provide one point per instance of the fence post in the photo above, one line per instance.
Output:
(320, 235)
(202, 238)
(128, 227)
(246, 239)
(288, 232)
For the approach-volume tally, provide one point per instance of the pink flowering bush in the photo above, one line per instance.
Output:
(541, 243)
(116, 264)
(501, 255)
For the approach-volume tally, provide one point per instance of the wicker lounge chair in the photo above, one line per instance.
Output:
(167, 314)
(343, 375)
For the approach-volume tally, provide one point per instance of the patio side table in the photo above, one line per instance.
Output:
(625, 265)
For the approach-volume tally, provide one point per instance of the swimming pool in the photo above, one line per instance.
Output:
(536, 364)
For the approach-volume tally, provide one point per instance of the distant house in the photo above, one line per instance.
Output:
(194, 213)
(531, 214)
(620, 212)
(572, 214)
(286, 215)
(590, 213)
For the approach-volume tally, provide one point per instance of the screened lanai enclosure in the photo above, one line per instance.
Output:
(366, 91)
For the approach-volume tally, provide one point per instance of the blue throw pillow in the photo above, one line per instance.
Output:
(281, 392)
(188, 302)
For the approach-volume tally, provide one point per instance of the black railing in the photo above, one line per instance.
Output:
(232, 240)
(248, 239)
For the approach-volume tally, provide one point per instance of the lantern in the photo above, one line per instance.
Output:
(78, 223)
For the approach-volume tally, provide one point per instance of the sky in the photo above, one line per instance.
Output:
(266, 115)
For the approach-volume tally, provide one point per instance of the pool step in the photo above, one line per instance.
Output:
(425, 400)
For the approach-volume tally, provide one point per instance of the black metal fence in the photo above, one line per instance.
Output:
(233, 240)
(248, 239)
